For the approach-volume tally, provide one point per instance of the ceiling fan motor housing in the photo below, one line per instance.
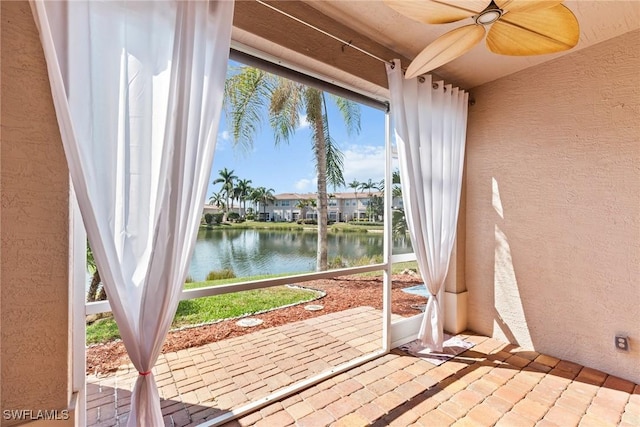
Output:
(488, 16)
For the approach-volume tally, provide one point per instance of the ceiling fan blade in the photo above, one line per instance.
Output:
(437, 11)
(446, 48)
(534, 33)
(525, 5)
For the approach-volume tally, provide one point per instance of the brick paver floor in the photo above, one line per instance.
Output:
(493, 383)
(202, 382)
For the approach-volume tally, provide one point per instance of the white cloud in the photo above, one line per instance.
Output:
(363, 162)
(305, 185)
(303, 123)
(223, 140)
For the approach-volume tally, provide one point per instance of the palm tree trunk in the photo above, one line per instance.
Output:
(102, 295)
(321, 260)
(93, 287)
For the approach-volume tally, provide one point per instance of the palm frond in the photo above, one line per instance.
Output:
(335, 163)
(313, 107)
(397, 191)
(92, 267)
(284, 109)
(396, 177)
(335, 157)
(246, 96)
(350, 113)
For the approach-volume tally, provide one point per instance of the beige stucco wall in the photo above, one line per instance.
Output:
(553, 207)
(34, 229)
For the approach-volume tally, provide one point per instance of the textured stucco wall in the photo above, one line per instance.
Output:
(34, 233)
(553, 207)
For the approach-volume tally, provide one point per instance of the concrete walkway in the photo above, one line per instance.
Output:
(493, 383)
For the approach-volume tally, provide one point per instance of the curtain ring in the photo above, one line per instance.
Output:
(435, 86)
(421, 79)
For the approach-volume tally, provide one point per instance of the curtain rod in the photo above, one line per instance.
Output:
(306, 79)
(345, 42)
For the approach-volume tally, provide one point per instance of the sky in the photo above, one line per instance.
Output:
(289, 168)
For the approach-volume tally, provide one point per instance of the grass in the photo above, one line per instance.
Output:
(210, 309)
(203, 310)
(102, 330)
(397, 268)
(343, 227)
(267, 225)
(288, 226)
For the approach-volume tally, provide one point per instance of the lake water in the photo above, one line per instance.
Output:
(254, 252)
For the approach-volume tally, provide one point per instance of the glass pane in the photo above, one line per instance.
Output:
(276, 234)
(401, 240)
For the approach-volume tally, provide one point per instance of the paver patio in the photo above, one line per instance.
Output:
(493, 383)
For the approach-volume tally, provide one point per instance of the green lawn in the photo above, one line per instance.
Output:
(267, 225)
(202, 310)
(210, 309)
(336, 227)
(397, 268)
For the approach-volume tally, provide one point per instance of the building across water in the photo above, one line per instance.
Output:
(342, 207)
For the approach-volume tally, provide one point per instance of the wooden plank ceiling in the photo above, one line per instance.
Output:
(266, 23)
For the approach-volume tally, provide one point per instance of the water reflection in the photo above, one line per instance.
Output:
(254, 252)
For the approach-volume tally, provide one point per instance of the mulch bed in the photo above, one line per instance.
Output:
(341, 294)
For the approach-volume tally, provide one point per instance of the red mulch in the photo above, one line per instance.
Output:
(341, 294)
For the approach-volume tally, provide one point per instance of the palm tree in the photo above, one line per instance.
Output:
(243, 190)
(263, 196)
(302, 205)
(92, 267)
(397, 188)
(369, 185)
(313, 204)
(355, 185)
(95, 292)
(226, 179)
(249, 92)
(399, 225)
(217, 200)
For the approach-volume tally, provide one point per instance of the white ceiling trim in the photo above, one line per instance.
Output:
(264, 49)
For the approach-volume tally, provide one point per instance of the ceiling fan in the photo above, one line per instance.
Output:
(518, 28)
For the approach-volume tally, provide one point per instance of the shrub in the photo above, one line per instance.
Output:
(347, 229)
(364, 223)
(251, 217)
(337, 262)
(217, 218)
(189, 279)
(376, 259)
(226, 273)
(232, 216)
(208, 218)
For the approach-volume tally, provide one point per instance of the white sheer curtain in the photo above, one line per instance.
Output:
(430, 122)
(138, 90)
